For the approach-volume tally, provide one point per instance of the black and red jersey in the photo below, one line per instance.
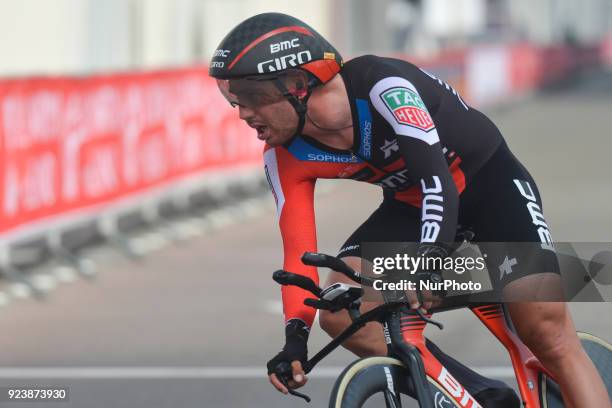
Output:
(413, 136)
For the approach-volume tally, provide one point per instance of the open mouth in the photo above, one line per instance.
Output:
(261, 130)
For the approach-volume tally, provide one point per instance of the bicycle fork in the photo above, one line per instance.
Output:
(410, 356)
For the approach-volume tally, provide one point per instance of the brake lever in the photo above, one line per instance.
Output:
(283, 372)
(295, 393)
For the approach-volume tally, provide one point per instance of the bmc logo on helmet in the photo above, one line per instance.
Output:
(282, 63)
(221, 53)
(284, 45)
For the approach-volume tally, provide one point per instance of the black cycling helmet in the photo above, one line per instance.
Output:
(274, 46)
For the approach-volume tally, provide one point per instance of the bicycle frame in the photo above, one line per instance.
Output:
(526, 366)
(404, 328)
(404, 335)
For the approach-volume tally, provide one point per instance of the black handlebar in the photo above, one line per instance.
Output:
(301, 281)
(348, 302)
(326, 261)
(336, 264)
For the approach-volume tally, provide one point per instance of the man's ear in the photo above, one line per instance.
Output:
(301, 92)
(298, 84)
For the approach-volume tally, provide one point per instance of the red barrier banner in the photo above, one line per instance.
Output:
(68, 144)
(526, 68)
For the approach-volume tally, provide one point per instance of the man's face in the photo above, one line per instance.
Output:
(275, 123)
(263, 106)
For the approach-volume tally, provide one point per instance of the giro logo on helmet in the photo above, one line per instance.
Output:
(282, 63)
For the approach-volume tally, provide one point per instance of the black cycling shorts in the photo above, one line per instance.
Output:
(500, 205)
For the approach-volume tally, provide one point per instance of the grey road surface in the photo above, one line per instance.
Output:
(193, 324)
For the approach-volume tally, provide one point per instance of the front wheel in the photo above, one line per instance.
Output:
(600, 353)
(384, 376)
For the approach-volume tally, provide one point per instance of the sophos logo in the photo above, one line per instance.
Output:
(331, 158)
(367, 138)
(281, 63)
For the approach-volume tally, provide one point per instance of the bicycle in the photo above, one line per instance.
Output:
(416, 367)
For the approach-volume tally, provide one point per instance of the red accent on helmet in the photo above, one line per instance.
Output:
(324, 70)
(268, 35)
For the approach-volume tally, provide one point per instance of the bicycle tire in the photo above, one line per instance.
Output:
(368, 376)
(599, 351)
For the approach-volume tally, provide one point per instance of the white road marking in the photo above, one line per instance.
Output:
(65, 273)
(20, 290)
(44, 282)
(88, 266)
(186, 372)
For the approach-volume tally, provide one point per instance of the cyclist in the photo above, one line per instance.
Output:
(440, 163)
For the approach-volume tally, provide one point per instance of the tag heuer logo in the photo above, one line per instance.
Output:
(408, 108)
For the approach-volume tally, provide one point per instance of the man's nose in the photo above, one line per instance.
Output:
(245, 112)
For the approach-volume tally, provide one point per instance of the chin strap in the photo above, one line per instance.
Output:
(300, 106)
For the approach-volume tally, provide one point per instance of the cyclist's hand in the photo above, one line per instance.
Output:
(288, 363)
(428, 299)
(413, 299)
(298, 378)
(425, 299)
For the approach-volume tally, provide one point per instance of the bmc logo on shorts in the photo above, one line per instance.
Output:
(537, 218)
(408, 108)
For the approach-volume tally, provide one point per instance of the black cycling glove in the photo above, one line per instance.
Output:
(296, 338)
(429, 251)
